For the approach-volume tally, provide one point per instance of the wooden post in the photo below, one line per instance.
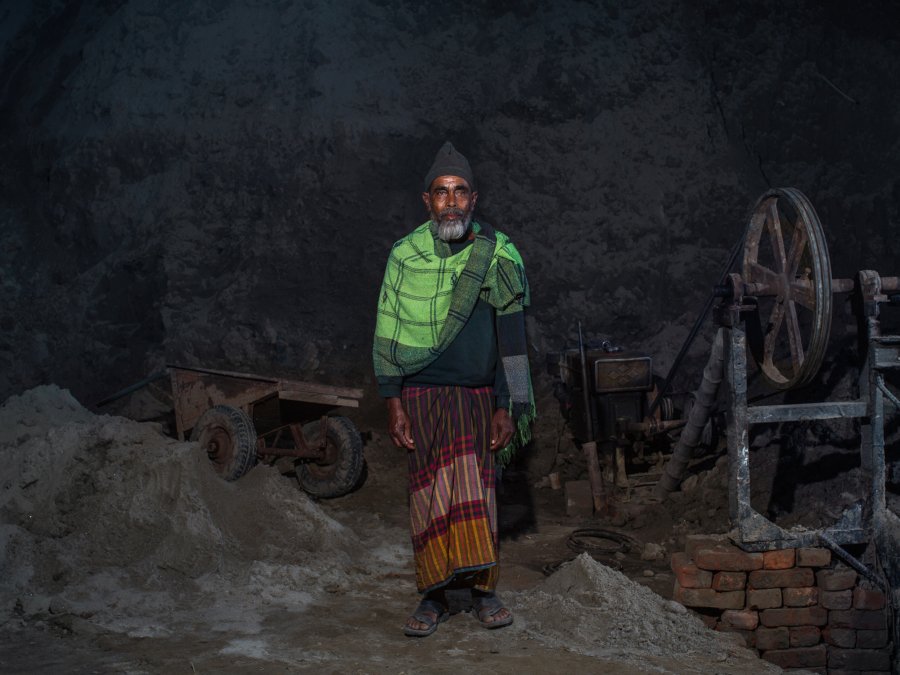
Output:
(595, 477)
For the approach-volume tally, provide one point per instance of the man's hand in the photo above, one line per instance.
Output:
(502, 429)
(399, 425)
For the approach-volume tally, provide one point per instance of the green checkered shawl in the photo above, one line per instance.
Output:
(429, 293)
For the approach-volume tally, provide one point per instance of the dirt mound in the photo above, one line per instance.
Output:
(108, 518)
(594, 610)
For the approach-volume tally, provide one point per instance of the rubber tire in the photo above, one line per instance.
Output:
(239, 427)
(344, 473)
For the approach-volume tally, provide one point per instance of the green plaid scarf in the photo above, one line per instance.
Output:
(429, 293)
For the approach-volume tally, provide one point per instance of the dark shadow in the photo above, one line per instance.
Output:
(787, 469)
(792, 439)
(515, 499)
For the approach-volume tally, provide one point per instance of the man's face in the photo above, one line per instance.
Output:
(450, 203)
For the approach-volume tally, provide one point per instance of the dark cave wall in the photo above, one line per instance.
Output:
(805, 92)
(218, 183)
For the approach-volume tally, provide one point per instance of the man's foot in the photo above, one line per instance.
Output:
(489, 610)
(424, 621)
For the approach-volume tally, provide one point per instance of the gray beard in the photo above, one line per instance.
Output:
(453, 230)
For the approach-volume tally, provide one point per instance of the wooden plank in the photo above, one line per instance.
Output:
(313, 397)
(198, 391)
(296, 385)
(190, 401)
(284, 384)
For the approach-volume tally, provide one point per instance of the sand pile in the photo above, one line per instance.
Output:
(108, 519)
(109, 527)
(594, 610)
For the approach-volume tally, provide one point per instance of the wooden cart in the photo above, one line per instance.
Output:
(241, 419)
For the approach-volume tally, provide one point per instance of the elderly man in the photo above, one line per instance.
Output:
(451, 360)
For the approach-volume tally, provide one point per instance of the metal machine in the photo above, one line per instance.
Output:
(614, 410)
(778, 309)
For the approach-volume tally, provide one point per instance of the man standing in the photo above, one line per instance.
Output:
(451, 360)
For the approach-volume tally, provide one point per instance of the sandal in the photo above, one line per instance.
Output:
(487, 606)
(429, 612)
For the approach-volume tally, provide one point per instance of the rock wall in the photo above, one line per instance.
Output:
(217, 182)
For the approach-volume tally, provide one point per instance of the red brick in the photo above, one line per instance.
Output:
(678, 560)
(865, 598)
(794, 616)
(839, 579)
(763, 599)
(773, 638)
(871, 639)
(813, 557)
(792, 578)
(836, 599)
(688, 574)
(694, 541)
(860, 659)
(706, 597)
(728, 558)
(744, 619)
(800, 597)
(858, 619)
(778, 560)
(805, 636)
(840, 637)
(801, 657)
(729, 581)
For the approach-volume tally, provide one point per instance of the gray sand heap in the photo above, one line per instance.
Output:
(595, 610)
(107, 518)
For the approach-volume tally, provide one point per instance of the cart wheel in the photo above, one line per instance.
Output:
(786, 251)
(228, 437)
(339, 471)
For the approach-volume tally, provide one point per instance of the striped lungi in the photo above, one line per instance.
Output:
(452, 499)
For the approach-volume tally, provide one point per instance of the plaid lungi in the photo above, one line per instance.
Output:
(452, 498)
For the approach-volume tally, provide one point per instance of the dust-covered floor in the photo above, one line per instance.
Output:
(122, 551)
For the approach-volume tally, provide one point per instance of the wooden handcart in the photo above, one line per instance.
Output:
(241, 419)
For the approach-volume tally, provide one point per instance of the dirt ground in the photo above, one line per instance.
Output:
(124, 552)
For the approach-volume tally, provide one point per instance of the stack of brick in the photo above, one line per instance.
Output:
(797, 607)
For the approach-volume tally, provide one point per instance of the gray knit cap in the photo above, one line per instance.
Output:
(449, 162)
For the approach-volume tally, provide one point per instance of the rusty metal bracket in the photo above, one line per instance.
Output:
(301, 448)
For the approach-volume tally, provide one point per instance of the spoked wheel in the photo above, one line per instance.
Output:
(786, 266)
(229, 438)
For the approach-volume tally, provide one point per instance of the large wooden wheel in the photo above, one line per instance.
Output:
(786, 266)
